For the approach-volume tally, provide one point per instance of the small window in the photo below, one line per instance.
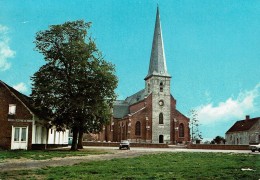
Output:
(148, 87)
(12, 109)
(161, 118)
(138, 128)
(161, 86)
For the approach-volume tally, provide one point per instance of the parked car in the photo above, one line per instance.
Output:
(255, 147)
(124, 144)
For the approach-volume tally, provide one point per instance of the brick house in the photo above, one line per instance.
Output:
(244, 132)
(22, 126)
(150, 115)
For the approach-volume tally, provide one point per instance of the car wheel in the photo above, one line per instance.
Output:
(253, 150)
(258, 150)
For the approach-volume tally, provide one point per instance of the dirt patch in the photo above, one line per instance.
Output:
(22, 164)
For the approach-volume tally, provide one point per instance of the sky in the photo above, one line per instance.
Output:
(212, 49)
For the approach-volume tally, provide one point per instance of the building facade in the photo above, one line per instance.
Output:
(22, 126)
(244, 132)
(150, 115)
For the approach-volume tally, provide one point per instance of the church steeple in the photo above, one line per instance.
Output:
(157, 60)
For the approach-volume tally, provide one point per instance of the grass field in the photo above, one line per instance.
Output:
(157, 166)
(42, 155)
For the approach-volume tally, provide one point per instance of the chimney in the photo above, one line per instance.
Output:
(247, 117)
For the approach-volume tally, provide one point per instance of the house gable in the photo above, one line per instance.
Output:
(244, 125)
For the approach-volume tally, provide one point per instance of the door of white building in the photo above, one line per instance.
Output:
(19, 137)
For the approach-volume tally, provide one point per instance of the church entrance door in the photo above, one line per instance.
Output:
(161, 139)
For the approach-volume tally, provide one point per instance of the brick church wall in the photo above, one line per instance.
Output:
(176, 119)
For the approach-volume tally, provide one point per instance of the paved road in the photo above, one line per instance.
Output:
(176, 150)
(134, 152)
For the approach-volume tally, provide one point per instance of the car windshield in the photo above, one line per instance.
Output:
(124, 141)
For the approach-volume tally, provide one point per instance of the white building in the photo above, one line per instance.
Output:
(244, 132)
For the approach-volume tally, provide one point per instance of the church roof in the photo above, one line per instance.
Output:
(139, 96)
(120, 109)
(244, 125)
(157, 59)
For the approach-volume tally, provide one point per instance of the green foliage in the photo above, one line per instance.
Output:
(218, 140)
(158, 166)
(76, 85)
(194, 126)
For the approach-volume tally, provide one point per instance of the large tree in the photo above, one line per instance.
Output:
(76, 85)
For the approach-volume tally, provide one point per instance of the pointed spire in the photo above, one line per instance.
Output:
(157, 59)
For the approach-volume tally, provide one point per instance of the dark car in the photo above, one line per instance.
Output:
(124, 145)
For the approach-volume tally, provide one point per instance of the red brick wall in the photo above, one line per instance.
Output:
(145, 118)
(173, 124)
(218, 146)
(22, 112)
(135, 107)
(116, 144)
(122, 130)
(175, 138)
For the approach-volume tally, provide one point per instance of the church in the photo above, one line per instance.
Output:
(150, 115)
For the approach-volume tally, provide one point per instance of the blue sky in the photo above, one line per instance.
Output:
(212, 49)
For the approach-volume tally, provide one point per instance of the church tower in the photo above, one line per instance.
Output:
(157, 83)
(150, 115)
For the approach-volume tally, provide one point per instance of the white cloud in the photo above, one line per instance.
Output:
(21, 87)
(5, 51)
(232, 108)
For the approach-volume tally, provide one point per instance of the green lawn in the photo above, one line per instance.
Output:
(48, 154)
(157, 166)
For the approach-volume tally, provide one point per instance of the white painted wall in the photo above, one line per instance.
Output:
(56, 137)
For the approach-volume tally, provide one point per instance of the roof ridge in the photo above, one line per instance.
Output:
(137, 111)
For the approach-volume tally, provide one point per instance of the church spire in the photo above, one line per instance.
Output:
(157, 59)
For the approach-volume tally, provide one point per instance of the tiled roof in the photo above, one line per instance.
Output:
(27, 101)
(244, 125)
(120, 109)
(139, 96)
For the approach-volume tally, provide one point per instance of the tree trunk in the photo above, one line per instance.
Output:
(75, 139)
(80, 146)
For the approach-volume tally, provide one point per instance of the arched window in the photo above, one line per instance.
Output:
(161, 86)
(161, 118)
(181, 130)
(138, 128)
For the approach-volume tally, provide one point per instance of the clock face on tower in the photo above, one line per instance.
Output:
(161, 103)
